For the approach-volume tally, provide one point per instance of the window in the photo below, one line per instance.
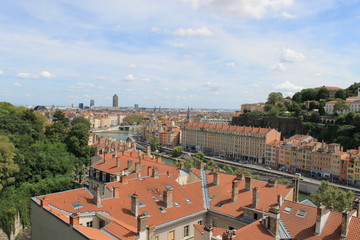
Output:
(141, 204)
(101, 224)
(287, 209)
(162, 210)
(186, 231)
(231, 228)
(89, 224)
(176, 204)
(255, 216)
(214, 223)
(301, 213)
(77, 205)
(200, 222)
(188, 200)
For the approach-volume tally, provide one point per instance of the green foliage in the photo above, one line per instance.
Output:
(341, 94)
(332, 196)
(154, 143)
(340, 107)
(132, 119)
(177, 151)
(7, 166)
(352, 90)
(283, 181)
(274, 97)
(210, 164)
(322, 93)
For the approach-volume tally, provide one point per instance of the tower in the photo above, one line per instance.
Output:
(115, 101)
(92, 103)
(188, 115)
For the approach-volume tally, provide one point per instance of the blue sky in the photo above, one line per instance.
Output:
(174, 53)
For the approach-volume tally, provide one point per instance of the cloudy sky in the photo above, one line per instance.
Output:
(174, 53)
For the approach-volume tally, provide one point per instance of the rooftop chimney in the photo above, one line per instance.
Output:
(248, 183)
(208, 232)
(167, 198)
(115, 191)
(274, 221)
(216, 180)
(135, 204)
(124, 179)
(279, 200)
(148, 151)
(321, 219)
(137, 167)
(346, 216)
(117, 161)
(97, 197)
(256, 197)
(159, 160)
(142, 221)
(151, 232)
(234, 190)
(74, 219)
(155, 172)
(129, 164)
(149, 171)
(272, 182)
(44, 202)
(296, 185)
(240, 176)
(200, 165)
(228, 235)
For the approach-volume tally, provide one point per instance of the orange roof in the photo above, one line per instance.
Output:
(330, 88)
(227, 127)
(221, 194)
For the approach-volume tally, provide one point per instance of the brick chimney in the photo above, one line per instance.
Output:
(155, 172)
(296, 185)
(272, 182)
(280, 200)
(142, 222)
(200, 165)
(151, 232)
(256, 197)
(208, 230)
(274, 221)
(129, 164)
(124, 179)
(44, 202)
(321, 219)
(115, 191)
(97, 197)
(346, 217)
(248, 183)
(135, 204)
(149, 171)
(167, 198)
(74, 219)
(117, 161)
(148, 151)
(216, 180)
(235, 190)
(137, 167)
(240, 176)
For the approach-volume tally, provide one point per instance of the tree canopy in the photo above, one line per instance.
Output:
(331, 196)
(132, 119)
(177, 151)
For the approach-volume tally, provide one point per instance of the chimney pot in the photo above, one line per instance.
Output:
(74, 219)
(129, 164)
(216, 180)
(235, 190)
(135, 204)
(345, 223)
(142, 222)
(248, 183)
(97, 196)
(256, 197)
(115, 191)
(155, 172)
(167, 198)
(137, 167)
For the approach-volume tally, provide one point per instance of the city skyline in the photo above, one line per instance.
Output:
(200, 53)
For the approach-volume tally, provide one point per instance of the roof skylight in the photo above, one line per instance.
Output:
(188, 200)
(287, 209)
(77, 205)
(162, 210)
(301, 213)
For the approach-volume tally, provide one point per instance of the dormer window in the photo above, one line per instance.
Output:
(287, 209)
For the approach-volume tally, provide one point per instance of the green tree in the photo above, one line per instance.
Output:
(352, 90)
(81, 120)
(308, 94)
(340, 107)
(177, 151)
(340, 94)
(297, 97)
(274, 97)
(7, 166)
(132, 119)
(322, 93)
(211, 164)
(331, 196)
(154, 143)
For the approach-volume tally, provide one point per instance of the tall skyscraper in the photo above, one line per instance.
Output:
(81, 105)
(92, 103)
(115, 101)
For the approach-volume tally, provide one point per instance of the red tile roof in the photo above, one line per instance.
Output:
(227, 127)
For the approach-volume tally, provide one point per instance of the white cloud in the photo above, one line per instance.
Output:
(166, 89)
(278, 67)
(129, 78)
(212, 87)
(27, 95)
(132, 65)
(46, 74)
(204, 31)
(43, 74)
(155, 29)
(179, 45)
(1, 73)
(26, 75)
(146, 79)
(248, 8)
(288, 86)
(289, 55)
(81, 85)
(231, 64)
(285, 15)
(17, 85)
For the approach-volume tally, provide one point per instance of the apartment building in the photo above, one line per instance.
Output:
(165, 131)
(352, 102)
(241, 142)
